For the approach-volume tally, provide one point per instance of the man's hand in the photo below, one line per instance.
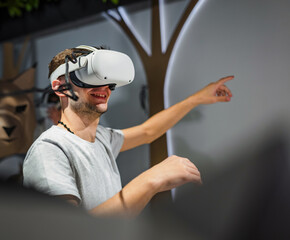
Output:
(215, 92)
(174, 171)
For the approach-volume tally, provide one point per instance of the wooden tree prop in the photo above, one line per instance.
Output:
(156, 67)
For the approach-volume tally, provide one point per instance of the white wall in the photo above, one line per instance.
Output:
(248, 39)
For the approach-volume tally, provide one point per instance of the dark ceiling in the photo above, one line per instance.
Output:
(51, 16)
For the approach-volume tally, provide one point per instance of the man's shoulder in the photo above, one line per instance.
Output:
(107, 132)
(53, 133)
(52, 140)
(101, 128)
(51, 136)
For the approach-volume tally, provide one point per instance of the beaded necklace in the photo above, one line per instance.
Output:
(66, 127)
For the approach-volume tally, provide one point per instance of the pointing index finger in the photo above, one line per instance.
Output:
(225, 79)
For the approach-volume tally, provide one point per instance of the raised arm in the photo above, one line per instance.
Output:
(158, 124)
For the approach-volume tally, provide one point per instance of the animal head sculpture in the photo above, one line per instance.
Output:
(17, 114)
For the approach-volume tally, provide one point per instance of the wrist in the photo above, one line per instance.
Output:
(152, 181)
(195, 100)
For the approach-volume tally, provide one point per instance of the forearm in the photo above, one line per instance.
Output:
(159, 123)
(131, 200)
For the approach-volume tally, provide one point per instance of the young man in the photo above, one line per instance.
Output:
(75, 160)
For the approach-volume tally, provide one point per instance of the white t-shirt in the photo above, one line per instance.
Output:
(61, 163)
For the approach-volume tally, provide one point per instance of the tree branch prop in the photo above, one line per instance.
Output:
(156, 36)
(177, 30)
(129, 33)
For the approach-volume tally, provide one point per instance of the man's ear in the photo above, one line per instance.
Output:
(55, 85)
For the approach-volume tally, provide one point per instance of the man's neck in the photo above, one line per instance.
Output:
(81, 125)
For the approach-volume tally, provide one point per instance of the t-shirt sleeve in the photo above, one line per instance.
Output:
(116, 140)
(47, 169)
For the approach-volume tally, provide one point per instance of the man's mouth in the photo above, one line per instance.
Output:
(98, 95)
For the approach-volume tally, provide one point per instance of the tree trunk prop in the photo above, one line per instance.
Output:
(156, 67)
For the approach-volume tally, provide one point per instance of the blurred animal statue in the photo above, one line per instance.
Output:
(17, 113)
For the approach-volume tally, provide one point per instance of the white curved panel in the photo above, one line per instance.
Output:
(249, 39)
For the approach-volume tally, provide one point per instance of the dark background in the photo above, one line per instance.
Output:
(51, 16)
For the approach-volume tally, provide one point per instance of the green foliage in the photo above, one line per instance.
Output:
(15, 8)
(113, 1)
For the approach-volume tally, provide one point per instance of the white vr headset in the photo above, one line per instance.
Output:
(100, 67)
